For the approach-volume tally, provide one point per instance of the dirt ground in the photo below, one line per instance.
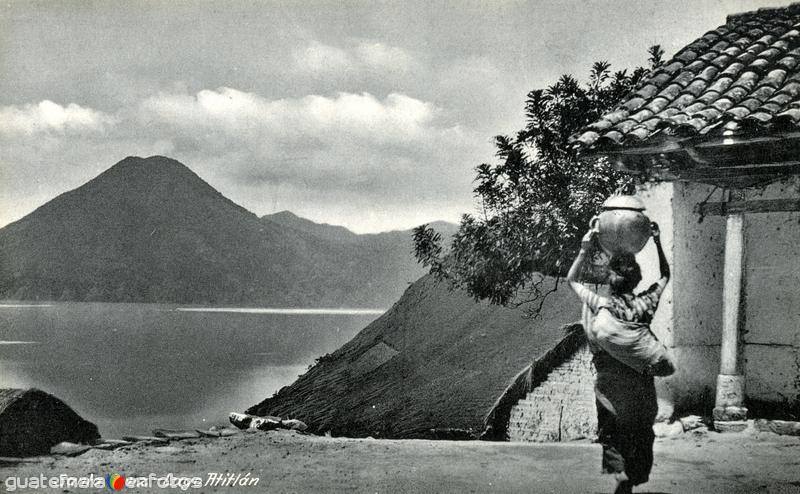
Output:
(286, 461)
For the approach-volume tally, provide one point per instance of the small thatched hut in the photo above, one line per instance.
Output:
(32, 422)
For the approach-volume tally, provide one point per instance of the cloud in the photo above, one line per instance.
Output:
(329, 134)
(329, 156)
(379, 55)
(363, 57)
(318, 57)
(48, 116)
(368, 162)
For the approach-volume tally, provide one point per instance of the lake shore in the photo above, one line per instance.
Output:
(286, 461)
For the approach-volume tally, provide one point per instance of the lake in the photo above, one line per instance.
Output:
(130, 368)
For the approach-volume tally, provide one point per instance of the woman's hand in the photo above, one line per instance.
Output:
(588, 238)
(654, 230)
(574, 271)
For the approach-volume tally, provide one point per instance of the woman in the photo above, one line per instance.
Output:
(625, 398)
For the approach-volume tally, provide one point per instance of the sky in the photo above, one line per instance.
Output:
(367, 114)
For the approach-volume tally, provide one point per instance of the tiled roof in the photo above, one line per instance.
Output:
(741, 78)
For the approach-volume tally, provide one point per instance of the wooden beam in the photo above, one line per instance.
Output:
(755, 206)
(750, 170)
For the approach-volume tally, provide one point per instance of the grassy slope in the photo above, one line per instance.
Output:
(455, 358)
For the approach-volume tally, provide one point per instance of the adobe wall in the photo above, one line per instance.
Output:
(689, 318)
(772, 300)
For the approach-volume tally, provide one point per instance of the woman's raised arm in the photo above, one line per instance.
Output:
(577, 264)
(663, 265)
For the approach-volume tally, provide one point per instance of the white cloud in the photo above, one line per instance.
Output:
(48, 116)
(320, 58)
(365, 56)
(318, 121)
(379, 55)
(354, 158)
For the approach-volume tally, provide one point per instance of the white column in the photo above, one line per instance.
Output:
(732, 294)
(729, 413)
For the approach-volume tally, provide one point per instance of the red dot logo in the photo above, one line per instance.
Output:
(115, 481)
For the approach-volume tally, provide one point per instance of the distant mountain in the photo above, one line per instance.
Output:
(151, 230)
(288, 219)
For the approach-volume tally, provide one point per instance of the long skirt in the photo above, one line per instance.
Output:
(626, 410)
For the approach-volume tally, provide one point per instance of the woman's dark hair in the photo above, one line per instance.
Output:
(624, 273)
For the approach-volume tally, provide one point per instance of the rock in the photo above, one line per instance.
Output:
(294, 424)
(691, 422)
(116, 442)
(168, 450)
(66, 448)
(146, 439)
(240, 420)
(246, 421)
(176, 435)
(782, 427)
(662, 429)
(265, 423)
(13, 460)
(222, 432)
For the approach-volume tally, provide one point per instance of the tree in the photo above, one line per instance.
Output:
(537, 199)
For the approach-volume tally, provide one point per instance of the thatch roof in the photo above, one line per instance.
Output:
(32, 421)
(433, 366)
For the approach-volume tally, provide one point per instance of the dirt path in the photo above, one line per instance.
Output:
(289, 462)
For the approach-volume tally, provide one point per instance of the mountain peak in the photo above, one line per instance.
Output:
(154, 165)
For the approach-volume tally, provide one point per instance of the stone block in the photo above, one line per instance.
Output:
(692, 422)
(730, 426)
(782, 427)
(662, 429)
(730, 413)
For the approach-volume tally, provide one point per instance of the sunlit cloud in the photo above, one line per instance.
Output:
(47, 116)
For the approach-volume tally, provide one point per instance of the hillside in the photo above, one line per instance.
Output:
(436, 360)
(151, 230)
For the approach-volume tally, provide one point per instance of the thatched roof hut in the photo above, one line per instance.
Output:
(434, 366)
(32, 421)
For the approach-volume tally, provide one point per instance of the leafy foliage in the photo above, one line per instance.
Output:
(537, 199)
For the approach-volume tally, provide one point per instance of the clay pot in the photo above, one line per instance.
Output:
(622, 225)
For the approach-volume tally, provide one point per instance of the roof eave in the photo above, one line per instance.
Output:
(727, 161)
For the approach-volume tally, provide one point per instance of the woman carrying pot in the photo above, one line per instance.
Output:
(625, 392)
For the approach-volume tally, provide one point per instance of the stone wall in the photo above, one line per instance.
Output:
(562, 407)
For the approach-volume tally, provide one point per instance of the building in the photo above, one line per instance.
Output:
(32, 422)
(718, 127)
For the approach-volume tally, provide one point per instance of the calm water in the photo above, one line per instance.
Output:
(130, 368)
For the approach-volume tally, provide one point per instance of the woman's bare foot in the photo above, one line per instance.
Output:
(624, 485)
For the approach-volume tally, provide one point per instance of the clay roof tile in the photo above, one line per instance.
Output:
(723, 104)
(647, 91)
(787, 63)
(733, 69)
(696, 88)
(721, 84)
(708, 97)
(708, 73)
(738, 112)
(774, 78)
(743, 76)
